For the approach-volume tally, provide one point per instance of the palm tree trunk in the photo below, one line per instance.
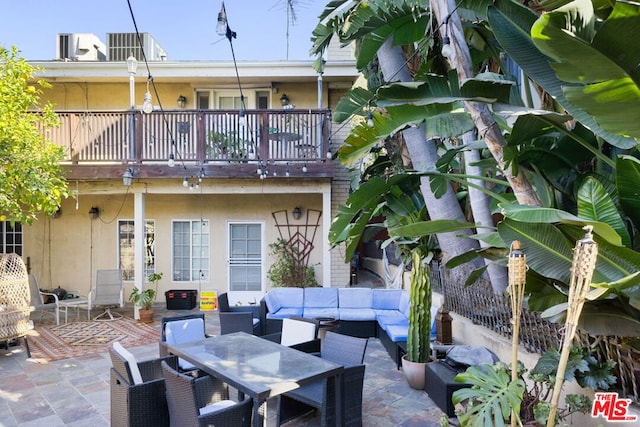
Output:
(423, 157)
(449, 21)
(481, 213)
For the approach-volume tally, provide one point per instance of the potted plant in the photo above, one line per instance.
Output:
(288, 270)
(419, 332)
(145, 298)
(493, 394)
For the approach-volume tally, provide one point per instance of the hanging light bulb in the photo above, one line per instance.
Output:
(242, 120)
(447, 50)
(147, 105)
(329, 155)
(185, 182)
(370, 119)
(191, 187)
(221, 27)
(172, 160)
(304, 168)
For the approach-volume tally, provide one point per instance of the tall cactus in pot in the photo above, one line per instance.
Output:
(420, 295)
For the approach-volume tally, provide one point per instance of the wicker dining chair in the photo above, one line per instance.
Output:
(138, 397)
(346, 351)
(300, 333)
(231, 322)
(180, 329)
(203, 401)
(14, 300)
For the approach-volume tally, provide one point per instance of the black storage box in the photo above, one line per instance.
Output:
(440, 385)
(184, 299)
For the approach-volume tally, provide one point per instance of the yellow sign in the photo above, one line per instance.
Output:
(208, 301)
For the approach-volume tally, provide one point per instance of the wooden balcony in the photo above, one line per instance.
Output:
(218, 143)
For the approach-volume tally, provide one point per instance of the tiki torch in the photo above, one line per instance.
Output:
(584, 263)
(517, 278)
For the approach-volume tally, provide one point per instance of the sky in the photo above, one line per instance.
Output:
(185, 29)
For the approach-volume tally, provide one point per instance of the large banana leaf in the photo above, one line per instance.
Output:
(628, 185)
(534, 214)
(511, 24)
(594, 203)
(601, 68)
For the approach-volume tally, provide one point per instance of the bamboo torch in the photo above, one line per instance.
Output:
(584, 263)
(517, 278)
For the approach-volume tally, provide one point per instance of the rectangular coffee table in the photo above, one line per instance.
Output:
(77, 303)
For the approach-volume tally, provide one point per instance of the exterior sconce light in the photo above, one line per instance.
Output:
(127, 178)
(284, 99)
(286, 105)
(182, 101)
(297, 213)
(94, 212)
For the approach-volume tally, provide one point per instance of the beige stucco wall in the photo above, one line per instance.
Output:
(67, 250)
(115, 96)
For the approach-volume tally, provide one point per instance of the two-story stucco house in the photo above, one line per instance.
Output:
(195, 181)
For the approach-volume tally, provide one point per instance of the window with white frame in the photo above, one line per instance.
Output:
(126, 246)
(11, 235)
(190, 242)
(229, 99)
(245, 256)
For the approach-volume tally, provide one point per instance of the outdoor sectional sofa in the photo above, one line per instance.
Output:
(360, 312)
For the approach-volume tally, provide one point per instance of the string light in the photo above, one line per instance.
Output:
(447, 50)
(147, 105)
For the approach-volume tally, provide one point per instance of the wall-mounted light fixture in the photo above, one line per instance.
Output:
(296, 212)
(182, 101)
(94, 212)
(284, 100)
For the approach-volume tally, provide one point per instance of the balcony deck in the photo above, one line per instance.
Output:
(218, 143)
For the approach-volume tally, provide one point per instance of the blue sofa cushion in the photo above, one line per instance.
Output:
(313, 312)
(357, 314)
(386, 299)
(389, 317)
(285, 313)
(280, 298)
(320, 298)
(404, 304)
(355, 298)
(397, 333)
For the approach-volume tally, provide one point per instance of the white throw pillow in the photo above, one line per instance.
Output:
(296, 332)
(133, 364)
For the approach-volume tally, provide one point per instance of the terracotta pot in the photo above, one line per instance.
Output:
(146, 316)
(414, 372)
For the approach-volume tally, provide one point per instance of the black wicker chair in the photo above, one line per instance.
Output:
(231, 322)
(307, 343)
(224, 307)
(344, 350)
(188, 327)
(203, 402)
(141, 402)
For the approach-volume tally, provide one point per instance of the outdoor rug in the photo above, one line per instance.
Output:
(49, 343)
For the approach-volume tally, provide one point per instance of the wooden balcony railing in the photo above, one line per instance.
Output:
(193, 137)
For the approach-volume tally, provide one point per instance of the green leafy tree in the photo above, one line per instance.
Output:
(31, 178)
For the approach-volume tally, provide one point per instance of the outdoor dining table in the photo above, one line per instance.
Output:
(257, 367)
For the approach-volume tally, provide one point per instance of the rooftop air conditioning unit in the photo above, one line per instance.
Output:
(80, 47)
(121, 45)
